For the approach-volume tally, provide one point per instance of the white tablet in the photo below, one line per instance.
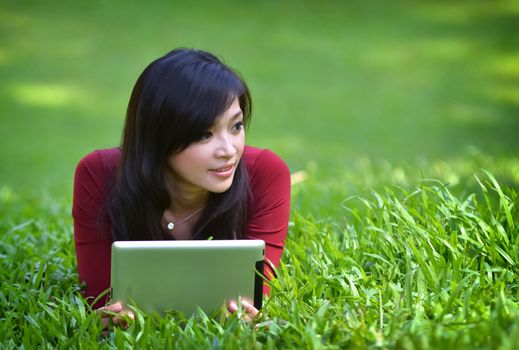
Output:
(181, 275)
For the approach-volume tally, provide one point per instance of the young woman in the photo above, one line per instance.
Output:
(183, 170)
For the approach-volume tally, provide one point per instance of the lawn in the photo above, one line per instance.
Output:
(403, 116)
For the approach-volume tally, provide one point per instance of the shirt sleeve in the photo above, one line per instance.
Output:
(91, 230)
(268, 219)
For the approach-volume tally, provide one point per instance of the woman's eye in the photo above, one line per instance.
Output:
(206, 135)
(238, 125)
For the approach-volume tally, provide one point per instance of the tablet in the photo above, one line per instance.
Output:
(181, 275)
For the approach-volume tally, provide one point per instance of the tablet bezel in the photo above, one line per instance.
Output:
(187, 261)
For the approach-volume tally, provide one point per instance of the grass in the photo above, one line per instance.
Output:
(398, 238)
(405, 264)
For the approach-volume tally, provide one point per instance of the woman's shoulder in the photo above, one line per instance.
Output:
(101, 158)
(258, 157)
(263, 163)
(106, 157)
(98, 165)
(94, 177)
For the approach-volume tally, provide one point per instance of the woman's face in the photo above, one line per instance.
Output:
(209, 164)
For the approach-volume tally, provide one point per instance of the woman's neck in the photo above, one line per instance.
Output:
(184, 210)
(186, 202)
(185, 198)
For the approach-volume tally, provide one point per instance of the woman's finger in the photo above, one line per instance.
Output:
(116, 307)
(249, 308)
(124, 316)
(121, 319)
(232, 306)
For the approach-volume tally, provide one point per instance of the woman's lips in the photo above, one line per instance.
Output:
(224, 171)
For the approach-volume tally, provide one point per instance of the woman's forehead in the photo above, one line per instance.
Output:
(234, 111)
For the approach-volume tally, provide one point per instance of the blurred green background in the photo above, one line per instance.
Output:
(331, 80)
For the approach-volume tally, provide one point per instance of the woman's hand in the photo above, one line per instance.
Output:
(247, 307)
(115, 314)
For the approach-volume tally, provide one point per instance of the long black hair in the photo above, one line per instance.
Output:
(176, 99)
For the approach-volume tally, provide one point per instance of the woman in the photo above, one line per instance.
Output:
(183, 170)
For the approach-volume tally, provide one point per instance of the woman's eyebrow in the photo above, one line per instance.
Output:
(231, 118)
(237, 114)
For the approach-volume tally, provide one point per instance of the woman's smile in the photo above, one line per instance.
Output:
(225, 171)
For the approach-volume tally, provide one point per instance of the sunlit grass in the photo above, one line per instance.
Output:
(381, 256)
(46, 95)
(507, 66)
(506, 93)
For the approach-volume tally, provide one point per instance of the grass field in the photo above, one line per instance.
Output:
(403, 115)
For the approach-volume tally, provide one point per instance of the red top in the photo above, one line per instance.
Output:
(96, 174)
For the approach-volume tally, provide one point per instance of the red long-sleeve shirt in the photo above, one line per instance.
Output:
(96, 173)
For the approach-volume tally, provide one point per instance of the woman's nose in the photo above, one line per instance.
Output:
(225, 147)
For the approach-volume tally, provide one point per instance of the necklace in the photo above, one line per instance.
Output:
(171, 224)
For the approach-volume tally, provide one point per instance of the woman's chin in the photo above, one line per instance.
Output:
(220, 187)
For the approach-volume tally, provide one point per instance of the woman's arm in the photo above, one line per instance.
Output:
(92, 228)
(270, 207)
